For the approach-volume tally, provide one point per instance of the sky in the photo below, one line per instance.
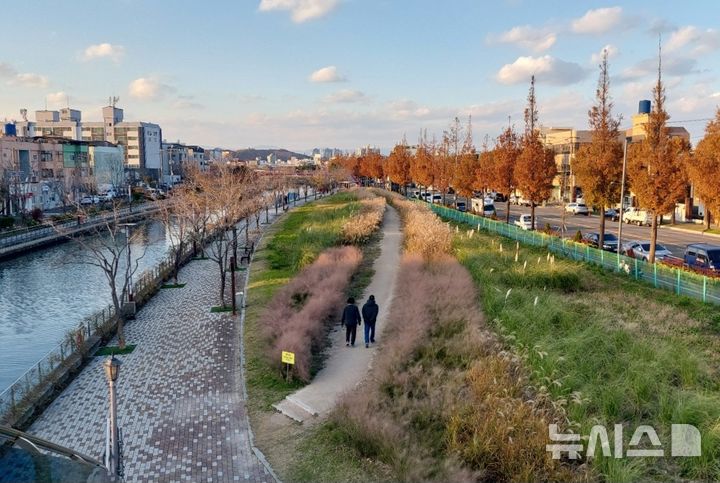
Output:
(300, 74)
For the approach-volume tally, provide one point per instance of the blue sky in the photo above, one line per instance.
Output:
(344, 73)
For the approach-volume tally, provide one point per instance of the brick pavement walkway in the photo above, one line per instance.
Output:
(180, 393)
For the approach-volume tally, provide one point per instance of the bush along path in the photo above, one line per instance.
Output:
(345, 367)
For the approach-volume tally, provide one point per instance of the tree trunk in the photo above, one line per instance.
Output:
(532, 215)
(507, 211)
(221, 263)
(601, 235)
(706, 218)
(653, 238)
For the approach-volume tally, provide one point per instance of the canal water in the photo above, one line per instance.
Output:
(45, 293)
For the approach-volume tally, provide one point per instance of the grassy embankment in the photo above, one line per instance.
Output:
(606, 349)
(288, 246)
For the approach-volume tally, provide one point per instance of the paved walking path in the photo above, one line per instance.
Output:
(181, 407)
(346, 367)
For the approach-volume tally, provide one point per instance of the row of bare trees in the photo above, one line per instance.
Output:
(205, 217)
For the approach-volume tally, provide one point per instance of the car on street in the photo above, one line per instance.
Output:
(612, 213)
(703, 256)
(637, 217)
(577, 209)
(483, 206)
(460, 206)
(525, 222)
(436, 198)
(610, 241)
(89, 200)
(641, 250)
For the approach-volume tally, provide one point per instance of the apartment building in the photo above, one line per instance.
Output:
(141, 140)
(47, 172)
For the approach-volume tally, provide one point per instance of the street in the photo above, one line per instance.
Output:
(674, 240)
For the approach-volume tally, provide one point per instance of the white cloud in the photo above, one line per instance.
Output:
(671, 66)
(327, 74)
(104, 50)
(25, 79)
(300, 10)
(527, 37)
(598, 21)
(57, 98)
(30, 80)
(346, 96)
(148, 88)
(612, 51)
(7, 70)
(694, 41)
(546, 69)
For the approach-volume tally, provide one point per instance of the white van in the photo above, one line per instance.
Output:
(483, 206)
(525, 222)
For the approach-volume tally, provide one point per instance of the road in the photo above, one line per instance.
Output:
(673, 240)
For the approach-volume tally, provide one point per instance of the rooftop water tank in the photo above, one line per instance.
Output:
(10, 129)
(644, 107)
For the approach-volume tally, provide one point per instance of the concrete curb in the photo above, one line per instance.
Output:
(694, 232)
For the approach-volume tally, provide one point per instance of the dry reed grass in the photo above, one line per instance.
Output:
(297, 317)
(360, 227)
(444, 401)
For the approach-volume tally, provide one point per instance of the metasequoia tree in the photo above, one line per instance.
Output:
(398, 165)
(655, 165)
(598, 165)
(421, 166)
(465, 173)
(535, 168)
(502, 165)
(704, 170)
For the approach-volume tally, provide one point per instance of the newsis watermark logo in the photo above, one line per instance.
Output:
(684, 442)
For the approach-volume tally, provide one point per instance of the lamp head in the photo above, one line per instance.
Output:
(112, 368)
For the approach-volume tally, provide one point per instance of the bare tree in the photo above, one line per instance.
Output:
(106, 246)
(176, 215)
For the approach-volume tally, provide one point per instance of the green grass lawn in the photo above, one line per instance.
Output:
(608, 349)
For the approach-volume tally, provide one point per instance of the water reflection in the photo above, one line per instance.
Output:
(45, 293)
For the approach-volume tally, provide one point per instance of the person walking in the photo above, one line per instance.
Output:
(369, 314)
(350, 319)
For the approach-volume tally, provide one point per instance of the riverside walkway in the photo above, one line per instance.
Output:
(181, 407)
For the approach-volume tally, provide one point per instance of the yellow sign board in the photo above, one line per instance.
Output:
(288, 357)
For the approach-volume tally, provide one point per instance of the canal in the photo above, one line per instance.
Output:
(45, 293)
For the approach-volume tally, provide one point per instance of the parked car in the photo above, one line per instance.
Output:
(483, 206)
(612, 213)
(637, 216)
(703, 256)
(89, 200)
(577, 209)
(109, 196)
(525, 222)
(461, 206)
(641, 250)
(610, 241)
(519, 200)
(436, 198)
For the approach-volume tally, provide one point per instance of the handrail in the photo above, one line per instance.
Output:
(14, 435)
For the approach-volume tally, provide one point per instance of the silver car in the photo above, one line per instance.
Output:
(641, 250)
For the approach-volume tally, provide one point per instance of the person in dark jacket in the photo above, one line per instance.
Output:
(351, 319)
(369, 314)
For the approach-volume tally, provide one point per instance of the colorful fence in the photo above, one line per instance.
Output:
(677, 280)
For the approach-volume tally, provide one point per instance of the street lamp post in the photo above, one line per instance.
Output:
(112, 451)
(622, 199)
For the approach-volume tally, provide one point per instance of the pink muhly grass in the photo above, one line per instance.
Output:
(297, 317)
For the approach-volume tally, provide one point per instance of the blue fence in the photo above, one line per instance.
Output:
(677, 280)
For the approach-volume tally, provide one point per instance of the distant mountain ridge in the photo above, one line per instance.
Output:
(251, 153)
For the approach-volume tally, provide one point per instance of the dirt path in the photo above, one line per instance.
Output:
(346, 367)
